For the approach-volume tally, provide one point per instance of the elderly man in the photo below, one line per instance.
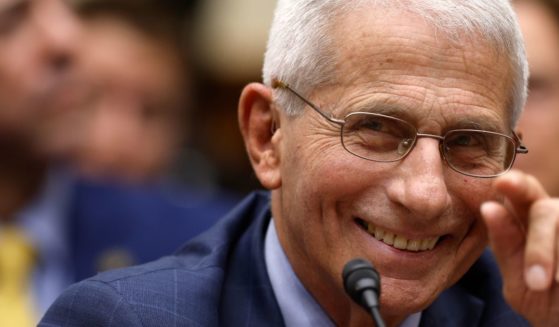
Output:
(380, 130)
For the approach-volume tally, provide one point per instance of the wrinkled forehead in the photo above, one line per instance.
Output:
(402, 52)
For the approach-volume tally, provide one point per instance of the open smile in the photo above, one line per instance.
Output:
(398, 241)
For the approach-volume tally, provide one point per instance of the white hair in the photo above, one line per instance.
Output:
(301, 51)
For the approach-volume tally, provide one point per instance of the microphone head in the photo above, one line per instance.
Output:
(359, 275)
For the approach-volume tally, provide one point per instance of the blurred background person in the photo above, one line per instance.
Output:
(37, 67)
(134, 54)
(55, 226)
(539, 21)
(202, 66)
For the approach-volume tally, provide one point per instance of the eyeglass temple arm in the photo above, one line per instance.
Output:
(281, 85)
(521, 148)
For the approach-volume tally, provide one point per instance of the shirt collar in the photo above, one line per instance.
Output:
(297, 306)
(292, 295)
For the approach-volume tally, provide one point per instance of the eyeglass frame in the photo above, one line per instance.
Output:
(519, 146)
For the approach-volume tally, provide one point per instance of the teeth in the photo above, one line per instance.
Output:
(425, 244)
(413, 245)
(388, 238)
(379, 234)
(401, 242)
(371, 229)
(432, 243)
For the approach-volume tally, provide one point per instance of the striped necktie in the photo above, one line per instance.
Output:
(16, 263)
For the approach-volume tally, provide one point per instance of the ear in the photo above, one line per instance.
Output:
(260, 129)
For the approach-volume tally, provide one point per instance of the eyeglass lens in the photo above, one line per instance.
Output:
(383, 138)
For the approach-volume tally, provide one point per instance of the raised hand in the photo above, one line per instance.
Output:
(523, 233)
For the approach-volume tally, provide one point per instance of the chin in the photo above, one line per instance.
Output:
(400, 298)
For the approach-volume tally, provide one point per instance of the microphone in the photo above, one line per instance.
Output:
(362, 284)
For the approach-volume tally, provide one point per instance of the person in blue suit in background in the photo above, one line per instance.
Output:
(65, 215)
(384, 130)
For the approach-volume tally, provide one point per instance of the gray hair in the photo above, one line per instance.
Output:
(301, 51)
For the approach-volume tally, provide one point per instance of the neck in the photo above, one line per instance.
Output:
(329, 294)
(21, 175)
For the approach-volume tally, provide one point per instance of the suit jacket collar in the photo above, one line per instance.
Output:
(454, 307)
(476, 300)
(248, 298)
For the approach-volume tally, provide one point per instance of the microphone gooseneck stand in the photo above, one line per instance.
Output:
(362, 284)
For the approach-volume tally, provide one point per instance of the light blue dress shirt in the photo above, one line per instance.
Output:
(296, 304)
(44, 223)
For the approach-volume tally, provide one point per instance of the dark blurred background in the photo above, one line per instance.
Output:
(228, 38)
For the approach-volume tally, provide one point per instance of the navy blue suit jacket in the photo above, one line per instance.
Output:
(220, 279)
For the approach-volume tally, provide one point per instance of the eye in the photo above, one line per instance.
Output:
(374, 125)
(464, 139)
(378, 126)
(363, 122)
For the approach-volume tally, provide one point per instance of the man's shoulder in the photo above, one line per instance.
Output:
(154, 273)
(184, 289)
(165, 292)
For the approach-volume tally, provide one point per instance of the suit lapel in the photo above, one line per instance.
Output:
(248, 298)
(454, 307)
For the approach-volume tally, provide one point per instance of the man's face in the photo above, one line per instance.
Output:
(129, 126)
(541, 114)
(328, 194)
(36, 55)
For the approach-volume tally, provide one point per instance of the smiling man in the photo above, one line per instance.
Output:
(384, 130)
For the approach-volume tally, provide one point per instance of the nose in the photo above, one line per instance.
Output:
(419, 184)
(59, 28)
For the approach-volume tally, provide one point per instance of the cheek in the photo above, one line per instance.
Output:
(316, 178)
(468, 198)
(310, 163)
(471, 191)
(330, 178)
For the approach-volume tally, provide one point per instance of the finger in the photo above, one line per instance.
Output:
(557, 257)
(507, 240)
(541, 244)
(520, 191)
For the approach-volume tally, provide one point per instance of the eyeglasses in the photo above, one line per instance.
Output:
(382, 138)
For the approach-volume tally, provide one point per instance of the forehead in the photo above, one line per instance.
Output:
(400, 60)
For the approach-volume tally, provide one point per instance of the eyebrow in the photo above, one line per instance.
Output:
(479, 124)
(398, 110)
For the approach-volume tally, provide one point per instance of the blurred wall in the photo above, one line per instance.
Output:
(230, 40)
